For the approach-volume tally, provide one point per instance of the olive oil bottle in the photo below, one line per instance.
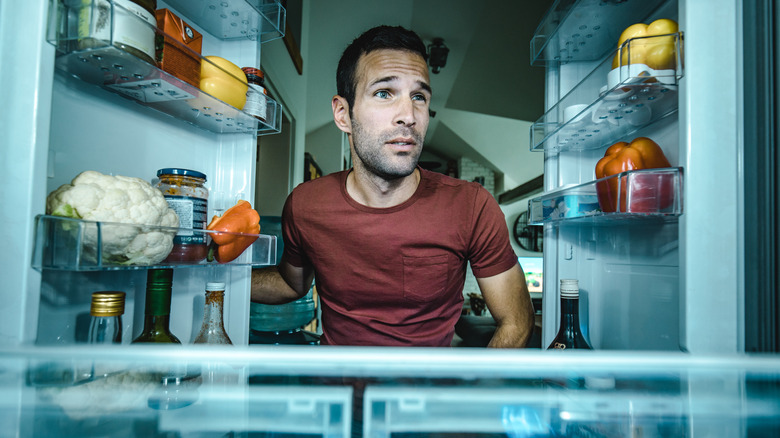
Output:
(157, 310)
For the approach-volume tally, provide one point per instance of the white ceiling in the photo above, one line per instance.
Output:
(488, 70)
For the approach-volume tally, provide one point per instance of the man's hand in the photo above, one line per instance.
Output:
(509, 301)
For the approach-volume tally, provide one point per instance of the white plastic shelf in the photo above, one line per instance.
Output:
(611, 103)
(98, 61)
(79, 245)
(262, 20)
(646, 193)
(323, 411)
(538, 412)
(583, 30)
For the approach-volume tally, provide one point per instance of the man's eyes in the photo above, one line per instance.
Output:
(385, 94)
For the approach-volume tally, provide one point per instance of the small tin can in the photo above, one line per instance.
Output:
(186, 194)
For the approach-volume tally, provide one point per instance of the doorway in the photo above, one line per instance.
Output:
(274, 171)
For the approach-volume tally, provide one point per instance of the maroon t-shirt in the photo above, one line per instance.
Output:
(394, 276)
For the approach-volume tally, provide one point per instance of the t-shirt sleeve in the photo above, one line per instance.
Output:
(490, 252)
(293, 248)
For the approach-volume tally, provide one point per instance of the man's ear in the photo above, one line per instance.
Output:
(341, 114)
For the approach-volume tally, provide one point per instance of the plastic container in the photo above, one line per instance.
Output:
(132, 29)
(185, 192)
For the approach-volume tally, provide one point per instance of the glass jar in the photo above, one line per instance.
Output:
(186, 194)
(130, 28)
(256, 103)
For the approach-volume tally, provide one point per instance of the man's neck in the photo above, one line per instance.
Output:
(376, 192)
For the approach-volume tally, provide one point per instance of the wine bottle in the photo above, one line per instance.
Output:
(569, 335)
(105, 326)
(157, 311)
(212, 331)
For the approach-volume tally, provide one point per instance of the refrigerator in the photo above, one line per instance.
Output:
(662, 292)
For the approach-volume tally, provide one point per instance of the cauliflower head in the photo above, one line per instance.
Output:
(123, 205)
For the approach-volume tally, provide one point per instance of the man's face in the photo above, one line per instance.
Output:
(390, 115)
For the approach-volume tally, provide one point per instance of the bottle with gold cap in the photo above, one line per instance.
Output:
(106, 324)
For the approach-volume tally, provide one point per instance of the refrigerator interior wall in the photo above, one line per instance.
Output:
(628, 268)
(94, 129)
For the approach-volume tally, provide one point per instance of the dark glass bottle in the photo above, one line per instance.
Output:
(157, 313)
(569, 335)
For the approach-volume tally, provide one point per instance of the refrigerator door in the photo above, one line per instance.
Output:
(647, 269)
(80, 102)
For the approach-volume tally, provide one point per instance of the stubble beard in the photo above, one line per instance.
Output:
(370, 150)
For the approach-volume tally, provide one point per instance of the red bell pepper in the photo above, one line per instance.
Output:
(646, 195)
(240, 218)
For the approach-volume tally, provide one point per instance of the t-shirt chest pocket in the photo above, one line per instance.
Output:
(425, 278)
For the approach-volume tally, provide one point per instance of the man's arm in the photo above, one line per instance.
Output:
(280, 284)
(507, 297)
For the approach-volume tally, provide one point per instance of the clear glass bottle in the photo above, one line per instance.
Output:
(569, 335)
(212, 331)
(157, 311)
(105, 326)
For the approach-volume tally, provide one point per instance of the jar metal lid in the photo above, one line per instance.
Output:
(182, 172)
(107, 303)
(254, 72)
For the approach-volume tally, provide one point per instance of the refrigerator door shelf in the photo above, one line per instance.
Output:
(649, 194)
(584, 30)
(610, 104)
(239, 19)
(79, 245)
(94, 60)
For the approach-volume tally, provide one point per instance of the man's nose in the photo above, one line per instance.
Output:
(405, 115)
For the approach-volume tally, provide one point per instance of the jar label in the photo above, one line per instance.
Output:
(192, 214)
(256, 104)
(128, 24)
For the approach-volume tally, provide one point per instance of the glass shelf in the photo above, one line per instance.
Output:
(97, 61)
(583, 30)
(636, 194)
(236, 19)
(79, 245)
(611, 102)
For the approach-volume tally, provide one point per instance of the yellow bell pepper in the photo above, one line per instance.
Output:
(223, 80)
(653, 47)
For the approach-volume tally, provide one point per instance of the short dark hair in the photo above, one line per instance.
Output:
(380, 37)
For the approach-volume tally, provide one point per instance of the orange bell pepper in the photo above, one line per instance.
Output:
(240, 218)
(641, 153)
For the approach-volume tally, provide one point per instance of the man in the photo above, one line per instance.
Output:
(387, 241)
